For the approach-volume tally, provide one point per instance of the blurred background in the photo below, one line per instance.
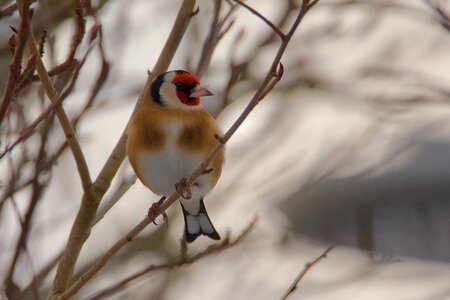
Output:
(351, 148)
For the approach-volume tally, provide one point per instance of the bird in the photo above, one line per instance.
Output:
(169, 136)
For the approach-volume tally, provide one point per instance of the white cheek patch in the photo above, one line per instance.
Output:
(168, 94)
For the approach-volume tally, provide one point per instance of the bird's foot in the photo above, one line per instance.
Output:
(207, 171)
(183, 189)
(154, 209)
(220, 138)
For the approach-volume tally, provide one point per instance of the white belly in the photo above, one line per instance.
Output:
(160, 171)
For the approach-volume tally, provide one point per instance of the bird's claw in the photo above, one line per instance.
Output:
(220, 138)
(183, 189)
(207, 171)
(154, 209)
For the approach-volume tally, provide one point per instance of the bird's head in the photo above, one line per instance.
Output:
(178, 89)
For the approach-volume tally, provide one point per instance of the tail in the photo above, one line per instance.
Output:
(195, 225)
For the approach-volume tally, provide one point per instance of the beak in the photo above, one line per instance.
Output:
(198, 92)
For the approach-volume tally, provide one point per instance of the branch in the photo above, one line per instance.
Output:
(10, 9)
(216, 32)
(23, 246)
(123, 187)
(75, 147)
(308, 266)
(183, 261)
(15, 65)
(37, 190)
(87, 213)
(30, 129)
(76, 40)
(442, 15)
(52, 94)
(271, 78)
(276, 29)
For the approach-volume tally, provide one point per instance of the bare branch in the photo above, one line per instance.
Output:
(15, 65)
(10, 9)
(23, 246)
(37, 190)
(265, 20)
(74, 145)
(124, 186)
(76, 41)
(302, 274)
(216, 32)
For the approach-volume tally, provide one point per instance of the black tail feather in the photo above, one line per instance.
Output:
(200, 224)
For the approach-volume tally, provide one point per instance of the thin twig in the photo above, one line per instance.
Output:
(10, 9)
(272, 74)
(37, 190)
(15, 65)
(96, 31)
(34, 286)
(43, 166)
(123, 187)
(41, 274)
(216, 33)
(259, 15)
(181, 262)
(76, 41)
(69, 132)
(302, 274)
(30, 129)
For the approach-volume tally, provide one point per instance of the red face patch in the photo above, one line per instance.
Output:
(184, 97)
(185, 82)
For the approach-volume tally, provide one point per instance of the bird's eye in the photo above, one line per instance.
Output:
(181, 86)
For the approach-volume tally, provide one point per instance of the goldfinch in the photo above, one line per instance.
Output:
(168, 138)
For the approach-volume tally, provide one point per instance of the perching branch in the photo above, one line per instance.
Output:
(302, 274)
(272, 77)
(83, 221)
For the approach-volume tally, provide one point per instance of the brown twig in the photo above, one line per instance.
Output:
(44, 166)
(37, 190)
(240, 70)
(271, 76)
(30, 129)
(123, 187)
(23, 246)
(77, 37)
(10, 9)
(442, 14)
(41, 275)
(302, 274)
(95, 32)
(216, 32)
(181, 262)
(276, 29)
(69, 132)
(16, 62)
